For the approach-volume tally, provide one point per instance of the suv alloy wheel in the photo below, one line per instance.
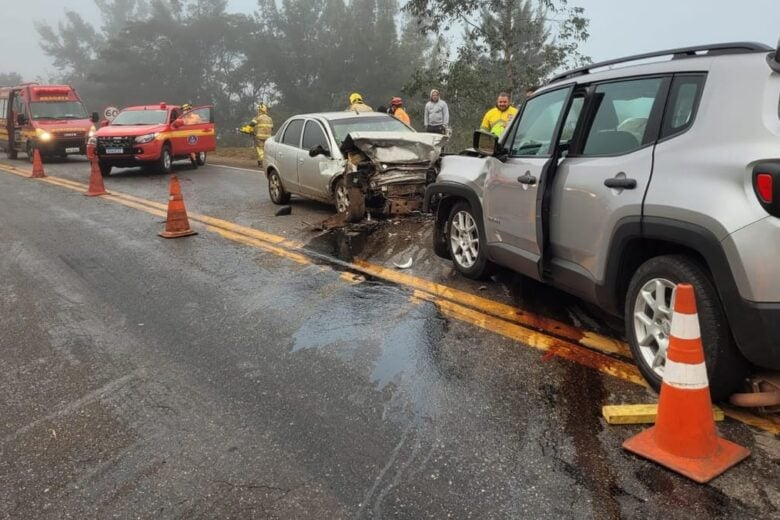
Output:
(648, 313)
(465, 244)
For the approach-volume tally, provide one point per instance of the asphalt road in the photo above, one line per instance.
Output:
(220, 376)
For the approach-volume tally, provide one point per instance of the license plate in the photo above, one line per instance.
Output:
(115, 150)
(72, 150)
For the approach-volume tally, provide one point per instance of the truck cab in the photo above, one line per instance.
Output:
(50, 118)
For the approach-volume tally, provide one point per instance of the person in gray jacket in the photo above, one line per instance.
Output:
(436, 115)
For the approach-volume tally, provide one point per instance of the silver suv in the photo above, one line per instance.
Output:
(618, 180)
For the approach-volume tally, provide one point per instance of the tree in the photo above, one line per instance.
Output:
(10, 79)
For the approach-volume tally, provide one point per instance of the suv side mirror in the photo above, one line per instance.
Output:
(319, 150)
(21, 119)
(95, 117)
(177, 123)
(485, 143)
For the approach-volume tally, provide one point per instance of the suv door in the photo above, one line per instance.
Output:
(313, 173)
(196, 134)
(511, 186)
(604, 178)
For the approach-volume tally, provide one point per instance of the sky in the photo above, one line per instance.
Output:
(617, 28)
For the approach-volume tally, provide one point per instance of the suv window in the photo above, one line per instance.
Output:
(533, 134)
(623, 110)
(313, 135)
(292, 134)
(683, 101)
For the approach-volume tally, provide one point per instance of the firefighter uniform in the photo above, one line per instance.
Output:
(262, 127)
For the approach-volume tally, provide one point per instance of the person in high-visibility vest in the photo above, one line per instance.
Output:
(397, 110)
(498, 118)
(262, 127)
(356, 104)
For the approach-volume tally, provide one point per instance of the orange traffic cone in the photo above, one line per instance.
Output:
(684, 438)
(37, 171)
(177, 224)
(96, 186)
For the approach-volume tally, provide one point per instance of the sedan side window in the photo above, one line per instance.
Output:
(313, 136)
(292, 134)
(533, 135)
(623, 110)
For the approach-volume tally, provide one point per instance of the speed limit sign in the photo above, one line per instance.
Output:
(110, 113)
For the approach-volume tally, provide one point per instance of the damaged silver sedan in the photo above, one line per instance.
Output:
(360, 162)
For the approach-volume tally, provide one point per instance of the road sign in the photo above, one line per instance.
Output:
(110, 113)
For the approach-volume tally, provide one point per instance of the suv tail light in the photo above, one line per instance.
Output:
(766, 183)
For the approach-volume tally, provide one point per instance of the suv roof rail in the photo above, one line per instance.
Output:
(682, 52)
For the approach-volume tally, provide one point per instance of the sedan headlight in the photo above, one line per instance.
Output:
(43, 135)
(143, 139)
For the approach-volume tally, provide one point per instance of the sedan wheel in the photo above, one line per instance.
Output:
(342, 196)
(276, 189)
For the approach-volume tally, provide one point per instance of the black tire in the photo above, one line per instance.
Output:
(276, 189)
(200, 158)
(474, 266)
(165, 163)
(105, 168)
(726, 368)
(12, 154)
(30, 152)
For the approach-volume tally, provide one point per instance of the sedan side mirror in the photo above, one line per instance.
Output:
(319, 150)
(485, 143)
(95, 117)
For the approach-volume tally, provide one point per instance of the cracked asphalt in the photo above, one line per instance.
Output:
(206, 378)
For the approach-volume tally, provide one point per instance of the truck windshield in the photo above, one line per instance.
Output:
(140, 117)
(342, 127)
(58, 110)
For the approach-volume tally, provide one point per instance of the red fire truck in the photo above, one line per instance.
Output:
(50, 118)
(154, 136)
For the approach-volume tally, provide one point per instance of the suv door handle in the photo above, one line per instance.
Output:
(527, 179)
(620, 183)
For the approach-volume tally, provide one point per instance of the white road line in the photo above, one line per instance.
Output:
(235, 168)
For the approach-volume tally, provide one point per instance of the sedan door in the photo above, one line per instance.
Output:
(287, 154)
(315, 173)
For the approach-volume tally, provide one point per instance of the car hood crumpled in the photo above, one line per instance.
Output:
(394, 150)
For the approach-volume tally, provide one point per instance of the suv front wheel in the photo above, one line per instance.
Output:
(648, 315)
(466, 246)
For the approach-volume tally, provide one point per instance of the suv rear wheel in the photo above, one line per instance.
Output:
(466, 246)
(648, 314)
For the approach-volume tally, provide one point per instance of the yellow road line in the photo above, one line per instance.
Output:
(487, 314)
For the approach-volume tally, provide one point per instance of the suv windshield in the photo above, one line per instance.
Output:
(58, 110)
(342, 127)
(141, 117)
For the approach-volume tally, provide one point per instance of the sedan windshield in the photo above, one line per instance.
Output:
(342, 127)
(140, 117)
(58, 110)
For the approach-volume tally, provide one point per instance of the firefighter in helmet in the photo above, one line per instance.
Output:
(261, 126)
(356, 104)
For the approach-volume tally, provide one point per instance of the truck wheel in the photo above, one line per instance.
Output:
(467, 249)
(11, 153)
(105, 168)
(200, 159)
(648, 314)
(165, 163)
(276, 189)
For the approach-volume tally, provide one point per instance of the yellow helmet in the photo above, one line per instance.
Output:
(262, 108)
(355, 98)
(186, 107)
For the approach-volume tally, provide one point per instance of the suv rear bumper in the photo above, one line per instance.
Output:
(756, 329)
